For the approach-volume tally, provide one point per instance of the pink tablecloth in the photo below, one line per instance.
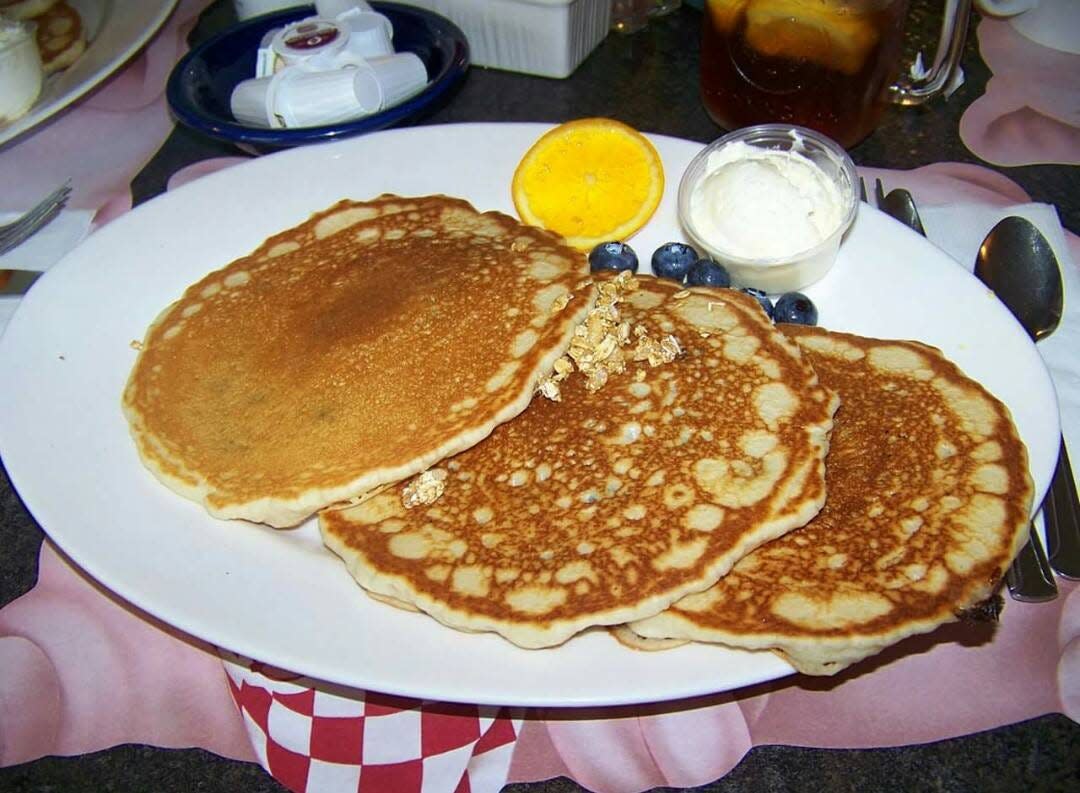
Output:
(117, 128)
(1030, 112)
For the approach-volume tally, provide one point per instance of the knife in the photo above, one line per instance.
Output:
(17, 282)
(1063, 519)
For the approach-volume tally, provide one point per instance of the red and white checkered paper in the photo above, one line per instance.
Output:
(315, 738)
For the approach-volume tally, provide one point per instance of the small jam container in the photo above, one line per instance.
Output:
(771, 203)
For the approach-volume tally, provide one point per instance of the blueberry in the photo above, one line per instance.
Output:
(761, 298)
(613, 256)
(706, 272)
(795, 307)
(672, 260)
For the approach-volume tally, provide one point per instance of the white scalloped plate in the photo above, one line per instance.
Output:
(114, 34)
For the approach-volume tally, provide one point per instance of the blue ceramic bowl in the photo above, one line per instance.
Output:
(200, 85)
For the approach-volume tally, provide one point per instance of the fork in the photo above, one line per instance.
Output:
(19, 230)
(879, 192)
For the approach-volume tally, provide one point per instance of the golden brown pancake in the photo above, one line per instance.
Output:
(60, 37)
(929, 497)
(625, 636)
(690, 432)
(353, 350)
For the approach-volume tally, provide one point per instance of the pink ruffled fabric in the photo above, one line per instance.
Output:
(107, 137)
(1030, 112)
(84, 671)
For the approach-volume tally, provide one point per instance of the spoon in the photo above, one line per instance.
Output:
(1017, 263)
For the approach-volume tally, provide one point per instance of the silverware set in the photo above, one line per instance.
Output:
(16, 282)
(1033, 293)
(31, 222)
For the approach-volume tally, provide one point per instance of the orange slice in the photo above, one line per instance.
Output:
(590, 180)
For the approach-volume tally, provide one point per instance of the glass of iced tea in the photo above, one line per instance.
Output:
(830, 65)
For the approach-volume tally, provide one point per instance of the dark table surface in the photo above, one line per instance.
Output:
(648, 80)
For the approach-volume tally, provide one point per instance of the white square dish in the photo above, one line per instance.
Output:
(548, 38)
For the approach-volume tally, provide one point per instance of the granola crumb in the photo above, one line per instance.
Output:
(424, 489)
(656, 352)
(597, 348)
(549, 388)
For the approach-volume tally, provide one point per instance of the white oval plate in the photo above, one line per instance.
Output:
(114, 33)
(279, 596)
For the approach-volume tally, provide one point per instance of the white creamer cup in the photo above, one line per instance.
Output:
(370, 34)
(313, 99)
(325, 44)
(250, 103)
(257, 101)
(247, 9)
(293, 97)
(388, 80)
(335, 8)
(297, 97)
(798, 269)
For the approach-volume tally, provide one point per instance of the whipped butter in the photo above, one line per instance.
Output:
(771, 203)
(21, 74)
(764, 203)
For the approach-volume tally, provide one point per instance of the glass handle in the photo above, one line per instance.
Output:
(910, 90)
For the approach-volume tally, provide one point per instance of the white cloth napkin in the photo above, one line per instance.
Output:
(958, 229)
(42, 250)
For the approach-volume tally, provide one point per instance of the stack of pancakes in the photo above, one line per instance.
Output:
(686, 470)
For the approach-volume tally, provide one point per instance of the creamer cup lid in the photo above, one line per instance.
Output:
(370, 34)
(308, 38)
